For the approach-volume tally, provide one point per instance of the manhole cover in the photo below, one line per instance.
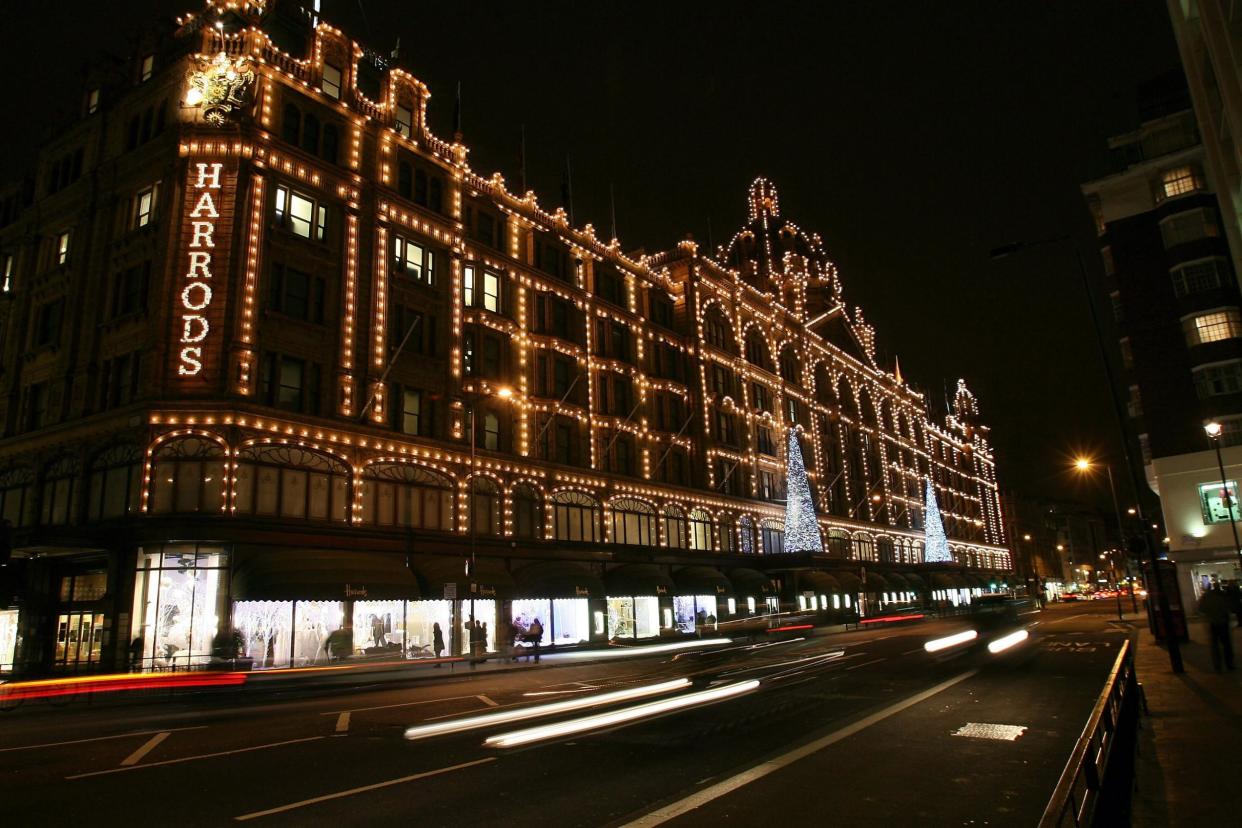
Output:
(979, 730)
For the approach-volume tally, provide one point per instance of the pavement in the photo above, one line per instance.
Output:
(1187, 767)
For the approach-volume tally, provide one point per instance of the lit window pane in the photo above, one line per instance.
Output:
(301, 211)
(331, 81)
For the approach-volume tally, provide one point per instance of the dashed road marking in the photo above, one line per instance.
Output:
(193, 758)
(101, 738)
(865, 663)
(342, 722)
(147, 746)
(487, 700)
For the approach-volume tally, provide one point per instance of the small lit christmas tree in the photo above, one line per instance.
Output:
(935, 544)
(801, 527)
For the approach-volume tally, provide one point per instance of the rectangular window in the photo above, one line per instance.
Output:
(485, 295)
(1179, 182)
(414, 261)
(1119, 314)
(300, 215)
(147, 69)
(762, 398)
(403, 121)
(92, 102)
(1213, 326)
(36, 405)
(289, 393)
(490, 366)
(1218, 503)
(1187, 227)
(764, 440)
(62, 248)
(331, 81)
(6, 274)
(1195, 277)
(144, 207)
(411, 411)
(1220, 379)
(131, 289)
(48, 322)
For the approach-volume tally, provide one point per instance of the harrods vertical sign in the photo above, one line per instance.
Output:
(201, 283)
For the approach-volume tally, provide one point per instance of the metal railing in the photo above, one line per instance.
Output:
(1109, 731)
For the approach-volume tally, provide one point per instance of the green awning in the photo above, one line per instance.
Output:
(701, 580)
(638, 579)
(557, 579)
(749, 583)
(436, 571)
(821, 583)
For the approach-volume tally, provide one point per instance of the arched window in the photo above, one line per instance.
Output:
(60, 480)
(402, 494)
(825, 391)
(632, 522)
(290, 481)
(485, 508)
(864, 547)
(310, 134)
(886, 549)
(916, 553)
(188, 476)
(405, 180)
(436, 195)
(17, 495)
(115, 482)
(757, 349)
(576, 516)
(701, 531)
(527, 512)
(331, 143)
(674, 527)
(789, 365)
(420, 187)
(291, 125)
(717, 329)
(773, 536)
(839, 543)
(728, 535)
(746, 534)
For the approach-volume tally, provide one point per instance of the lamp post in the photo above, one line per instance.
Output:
(1214, 431)
(1134, 469)
(504, 393)
(1084, 465)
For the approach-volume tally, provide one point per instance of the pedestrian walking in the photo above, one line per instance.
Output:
(437, 640)
(1214, 606)
(534, 634)
(1234, 593)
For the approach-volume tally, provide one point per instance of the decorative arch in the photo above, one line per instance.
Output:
(525, 509)
(699, 530)
(717, 327)
(864, 546)
(276, 479)
(187, 473)
(486, 510)
(758, 351)
(789, 364)
(631, 521)
(673, 526)
(576, 515)
(61, 476)
(746, 534)
(400, 493)
(114, 482)
(772, 536)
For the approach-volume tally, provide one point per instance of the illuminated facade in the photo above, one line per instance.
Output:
(252, 378)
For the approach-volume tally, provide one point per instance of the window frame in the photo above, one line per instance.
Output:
(316, 225)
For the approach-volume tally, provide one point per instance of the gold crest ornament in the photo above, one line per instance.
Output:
(220, 85)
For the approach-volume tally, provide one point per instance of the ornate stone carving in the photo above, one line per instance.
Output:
(220, 86)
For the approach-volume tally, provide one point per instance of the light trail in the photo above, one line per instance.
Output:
(1004, 643)
(488, 719)
(647, 650)
(600, 721)
(938, 644)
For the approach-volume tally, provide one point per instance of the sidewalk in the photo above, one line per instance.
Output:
(1187, 766)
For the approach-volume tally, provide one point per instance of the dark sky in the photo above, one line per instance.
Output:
(912, 136)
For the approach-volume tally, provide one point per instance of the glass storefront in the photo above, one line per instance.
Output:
(484, 613)
(8, 639)
(379, 627)
(79, 639)
(637, 617)
(420, 620)
(179, 597)
(564, 620)
(692, 611)
(289, 633)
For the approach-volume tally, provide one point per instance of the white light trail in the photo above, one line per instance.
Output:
(599, 721)
(488, 719)
(1008, 641)
(647, 650)
(937, 644)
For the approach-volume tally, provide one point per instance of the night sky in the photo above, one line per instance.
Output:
(913, 137)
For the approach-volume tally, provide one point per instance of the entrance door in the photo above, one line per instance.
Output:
(79, 639)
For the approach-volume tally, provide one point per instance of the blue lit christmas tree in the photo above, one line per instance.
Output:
(935, 544)
(801, 527)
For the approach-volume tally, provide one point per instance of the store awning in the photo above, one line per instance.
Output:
(435, 572)
(748, 582)
(557, 579)
(975, 580)
(638, 579)
(701, 580)
(897, 582)
(821, 583)
(322, 575)
(876, 583)
(916, 581)
(941, 580)
(850, 584)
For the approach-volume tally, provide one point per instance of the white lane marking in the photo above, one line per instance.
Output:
(1071, 618)
(487, 701)
(340, 794)
(147, 746)
(696, 800)
(399, 704)
(193, 758)
(102, 738)
(912, 652)
(865, 663)
(342, 722)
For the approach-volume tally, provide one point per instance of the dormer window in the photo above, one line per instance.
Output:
(331, 81)
(147, 69)
(92, 102)
(403, 121)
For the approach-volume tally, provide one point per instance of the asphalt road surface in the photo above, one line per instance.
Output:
(852, 728)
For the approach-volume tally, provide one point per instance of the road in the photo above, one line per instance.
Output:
(857, 727)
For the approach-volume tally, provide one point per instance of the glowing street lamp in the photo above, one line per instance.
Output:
(1084, 465)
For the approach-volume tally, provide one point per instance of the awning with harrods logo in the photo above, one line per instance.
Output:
(321, 575)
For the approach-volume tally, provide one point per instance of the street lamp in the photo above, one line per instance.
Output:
(1214, 430)
(504, 393)
(1084, 466)
(1136, 478)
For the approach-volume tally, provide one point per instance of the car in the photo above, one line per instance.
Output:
(1070, 596)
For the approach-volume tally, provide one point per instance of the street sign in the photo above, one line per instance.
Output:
(450, 592)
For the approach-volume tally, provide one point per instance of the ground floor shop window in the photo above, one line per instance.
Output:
(179, 597)
(313, 623)
(637, 617)
(79, 639)
(484, 614)
(289, 633)
(421, 618)
(693, 611)
(379, 627)
(8, 639)
(564, 620)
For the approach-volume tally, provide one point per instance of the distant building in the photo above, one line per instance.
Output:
(1169, 273)
(1057, 544)
(276, 360)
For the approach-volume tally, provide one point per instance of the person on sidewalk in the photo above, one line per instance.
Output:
(437, 640)
(534, 634)
(1214, 606)
(1234, 594)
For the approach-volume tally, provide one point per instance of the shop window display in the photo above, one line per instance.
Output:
(379, 627)
(692, 611)
(484, 613)
(178, 602)
(313, 624)
(79, 639)
(8, 639)
(420, 620)
(267, 630)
